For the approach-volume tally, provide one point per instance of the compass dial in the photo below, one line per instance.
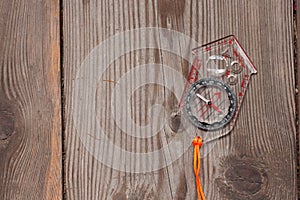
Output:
(210, 104)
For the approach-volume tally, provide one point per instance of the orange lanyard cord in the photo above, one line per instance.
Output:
(197, 142)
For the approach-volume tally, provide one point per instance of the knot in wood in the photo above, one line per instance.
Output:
(7, 124)
(245, 179)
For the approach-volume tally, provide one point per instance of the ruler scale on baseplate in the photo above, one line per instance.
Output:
(192, 78)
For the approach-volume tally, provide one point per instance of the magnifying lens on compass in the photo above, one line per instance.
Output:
(217, 65)
(210, 104)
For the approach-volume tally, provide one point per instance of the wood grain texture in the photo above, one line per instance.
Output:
(30, 120)
(256, 161)
(297, 75)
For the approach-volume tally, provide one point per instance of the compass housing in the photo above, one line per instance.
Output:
(217, 112)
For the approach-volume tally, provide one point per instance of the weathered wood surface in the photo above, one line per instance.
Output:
(30, 119)
(256, 161)
(297, 73)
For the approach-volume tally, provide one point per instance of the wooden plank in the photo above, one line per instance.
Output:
(297, 75)
(30, 119)
(256, 161)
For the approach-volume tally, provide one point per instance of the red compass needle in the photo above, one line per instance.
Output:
(216, 108)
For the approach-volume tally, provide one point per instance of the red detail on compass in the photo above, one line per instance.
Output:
(216, 108)
(245, 79)
(192, 78)
(227, 73)
(211, 104)
(218, 94)
(204, 111)
(207, 48)
(222, 42)
(240, 58)
(201, 108)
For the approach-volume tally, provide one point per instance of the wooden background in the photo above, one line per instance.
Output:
(43, 43)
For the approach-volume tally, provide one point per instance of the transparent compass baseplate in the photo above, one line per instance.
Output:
(218, 79)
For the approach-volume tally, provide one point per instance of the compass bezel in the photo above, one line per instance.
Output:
(210, 82)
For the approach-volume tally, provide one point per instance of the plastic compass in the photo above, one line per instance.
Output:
(216, 86)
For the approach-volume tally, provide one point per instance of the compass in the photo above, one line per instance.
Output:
(210, 104)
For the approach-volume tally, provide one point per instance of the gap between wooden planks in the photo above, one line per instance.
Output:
(297, 79)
